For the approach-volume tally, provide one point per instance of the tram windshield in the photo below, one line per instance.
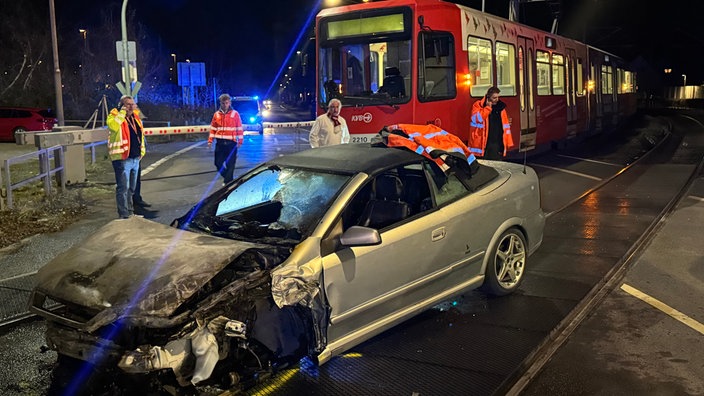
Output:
(365, 57)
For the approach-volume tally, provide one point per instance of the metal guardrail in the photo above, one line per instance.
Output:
(45, 172)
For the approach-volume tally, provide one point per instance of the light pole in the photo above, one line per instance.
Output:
(125, 51)
(57, 71)
(174, 72)
(684, 80)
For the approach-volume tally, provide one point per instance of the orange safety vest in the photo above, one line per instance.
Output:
(226, 126)
(119, 138)
(424, 139)
(479, 128)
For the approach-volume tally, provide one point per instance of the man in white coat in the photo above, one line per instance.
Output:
(329, 128)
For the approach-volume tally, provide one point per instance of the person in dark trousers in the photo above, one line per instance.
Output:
(126, 147)
(227, 130)
(140, 205)
(489, 128)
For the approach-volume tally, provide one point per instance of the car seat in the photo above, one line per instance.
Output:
(387, 207)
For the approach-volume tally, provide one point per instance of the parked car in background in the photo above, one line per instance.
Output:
(308, 254)
(22, 119)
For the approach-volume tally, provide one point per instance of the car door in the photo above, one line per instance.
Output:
(370, 287)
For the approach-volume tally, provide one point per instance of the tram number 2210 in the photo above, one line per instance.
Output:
(361, 138)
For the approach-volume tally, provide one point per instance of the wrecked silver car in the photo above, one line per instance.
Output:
(307, 255)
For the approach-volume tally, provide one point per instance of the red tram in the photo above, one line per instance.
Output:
(427, 61)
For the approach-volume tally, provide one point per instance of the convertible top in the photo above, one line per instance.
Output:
(348, 158)
(370, 159)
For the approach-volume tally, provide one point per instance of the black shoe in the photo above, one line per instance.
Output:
(142, 204)
(146, 213)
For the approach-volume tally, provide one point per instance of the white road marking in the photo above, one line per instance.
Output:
(568, 171)
(168, 157)
(589, 160)
(677, 315)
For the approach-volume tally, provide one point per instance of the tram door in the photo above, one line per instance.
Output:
(526, 93)
(571, 93)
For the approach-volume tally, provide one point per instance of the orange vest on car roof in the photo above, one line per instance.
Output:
(424, 139)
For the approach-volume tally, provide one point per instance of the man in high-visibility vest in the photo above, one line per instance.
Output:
(126, 147)
(227, 130)
(489, 127)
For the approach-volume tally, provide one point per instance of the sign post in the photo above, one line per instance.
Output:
(127, 54)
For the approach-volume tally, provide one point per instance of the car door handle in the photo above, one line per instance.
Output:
(438, 234)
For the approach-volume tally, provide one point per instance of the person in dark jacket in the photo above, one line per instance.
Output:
(490, 129)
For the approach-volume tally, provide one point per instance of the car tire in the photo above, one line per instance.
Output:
(507, 264)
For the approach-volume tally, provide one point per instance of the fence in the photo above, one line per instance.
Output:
(45, 172)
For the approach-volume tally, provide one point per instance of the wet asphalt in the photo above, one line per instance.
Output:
(641, 335)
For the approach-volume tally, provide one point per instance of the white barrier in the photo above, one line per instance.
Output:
(176, 130)
(298, 124)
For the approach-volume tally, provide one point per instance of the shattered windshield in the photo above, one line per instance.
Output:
(273, 202)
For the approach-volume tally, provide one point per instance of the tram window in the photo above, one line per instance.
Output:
(531, 95)
(625, 81)
(506, 68)
(436, 66)
(558, 74)
(629, 81)
(607, 84)
(521, 79)
(480, 65)
(580, 78)
(542, 61)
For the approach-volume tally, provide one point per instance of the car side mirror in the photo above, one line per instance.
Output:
(360, 236)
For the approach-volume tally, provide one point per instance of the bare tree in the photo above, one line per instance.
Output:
(25, 66)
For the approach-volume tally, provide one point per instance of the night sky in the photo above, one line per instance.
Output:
(252, 38)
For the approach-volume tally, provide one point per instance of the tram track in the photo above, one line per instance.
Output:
(544, 352)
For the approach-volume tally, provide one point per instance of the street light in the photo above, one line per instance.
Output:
(684, 78)
(83, 33)
(174, 72)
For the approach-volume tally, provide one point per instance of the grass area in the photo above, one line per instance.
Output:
(34, 212)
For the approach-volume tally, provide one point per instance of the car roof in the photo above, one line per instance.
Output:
(349, 158)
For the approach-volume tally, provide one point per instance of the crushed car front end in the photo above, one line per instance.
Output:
(117, 301)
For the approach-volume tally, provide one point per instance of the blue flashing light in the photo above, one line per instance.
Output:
(256, 97)
(252, 119)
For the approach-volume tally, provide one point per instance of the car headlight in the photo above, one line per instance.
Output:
(266, 113)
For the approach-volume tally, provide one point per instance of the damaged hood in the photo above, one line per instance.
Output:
(137, 267)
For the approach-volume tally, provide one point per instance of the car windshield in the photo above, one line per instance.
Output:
(270, 203)
(249, 107)
(364, 74)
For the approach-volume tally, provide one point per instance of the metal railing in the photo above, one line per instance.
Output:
(45, 172)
